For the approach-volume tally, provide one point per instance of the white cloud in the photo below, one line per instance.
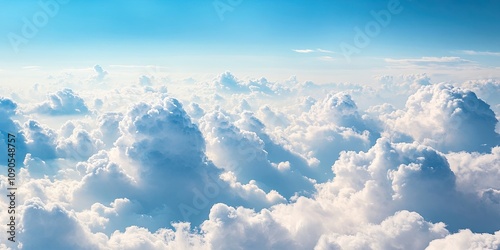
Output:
(7, 106)
(100, 73)
(158, 142)
(310, 169)
(449, 119)
(330, 126)
(478, 53)
(41, 222)
(63, 102)
(303, 50)
(487, 90)
(246, 229)
(79, 145)
(163, 239)
(404, 230)
(272, 118)
(324, 51)
(365, 206)
(228, 83)
(476, 173)
(403, 83)
(40, 140)
(317, 51)
(465, 239)
(429, 61)
(251, 191)
(8, 125)
(146, 80)
(307, 51)
(243, 152)
(109, 127)
(326, 58)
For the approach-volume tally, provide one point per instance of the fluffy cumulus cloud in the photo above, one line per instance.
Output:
(255, 164)
(100, 73)
(109, 127)
(331, 125)
(465, 239)
(246, 154)
(227, 82)
(367, 205)
(397, 89)
(63, 102)
(40, 140)
(449, 119)
(477, 173)
(159, 150)
(486, 90)
(400, 176)
(404, 230)
(8, 125)
(41, 222)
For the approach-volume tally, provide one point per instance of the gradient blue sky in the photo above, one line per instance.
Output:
(257, 34)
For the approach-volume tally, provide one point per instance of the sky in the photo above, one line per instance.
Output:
(249, 124)
(252, 36)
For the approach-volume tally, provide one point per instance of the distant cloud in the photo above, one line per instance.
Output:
(146, 80)
(319, 51)
(100, 73)
(7, 106)
(326, 58)
(487, 90)
(34, 67)
(143, 69)
(63, 102)
(426, 61)
(478, 53)
(402, 85)
(228, 83)
(324, 51)
(305, 51)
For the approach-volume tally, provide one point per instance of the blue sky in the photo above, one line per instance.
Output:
(190, 35)
(251, 124)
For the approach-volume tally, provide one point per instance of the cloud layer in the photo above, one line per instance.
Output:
(255, 164)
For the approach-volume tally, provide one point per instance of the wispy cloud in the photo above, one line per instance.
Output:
(318, 51)
(326, 58)
(423, 61)
(478, 53)
(305, 51)
(34, 67)
(324, 51)
(137, 66)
